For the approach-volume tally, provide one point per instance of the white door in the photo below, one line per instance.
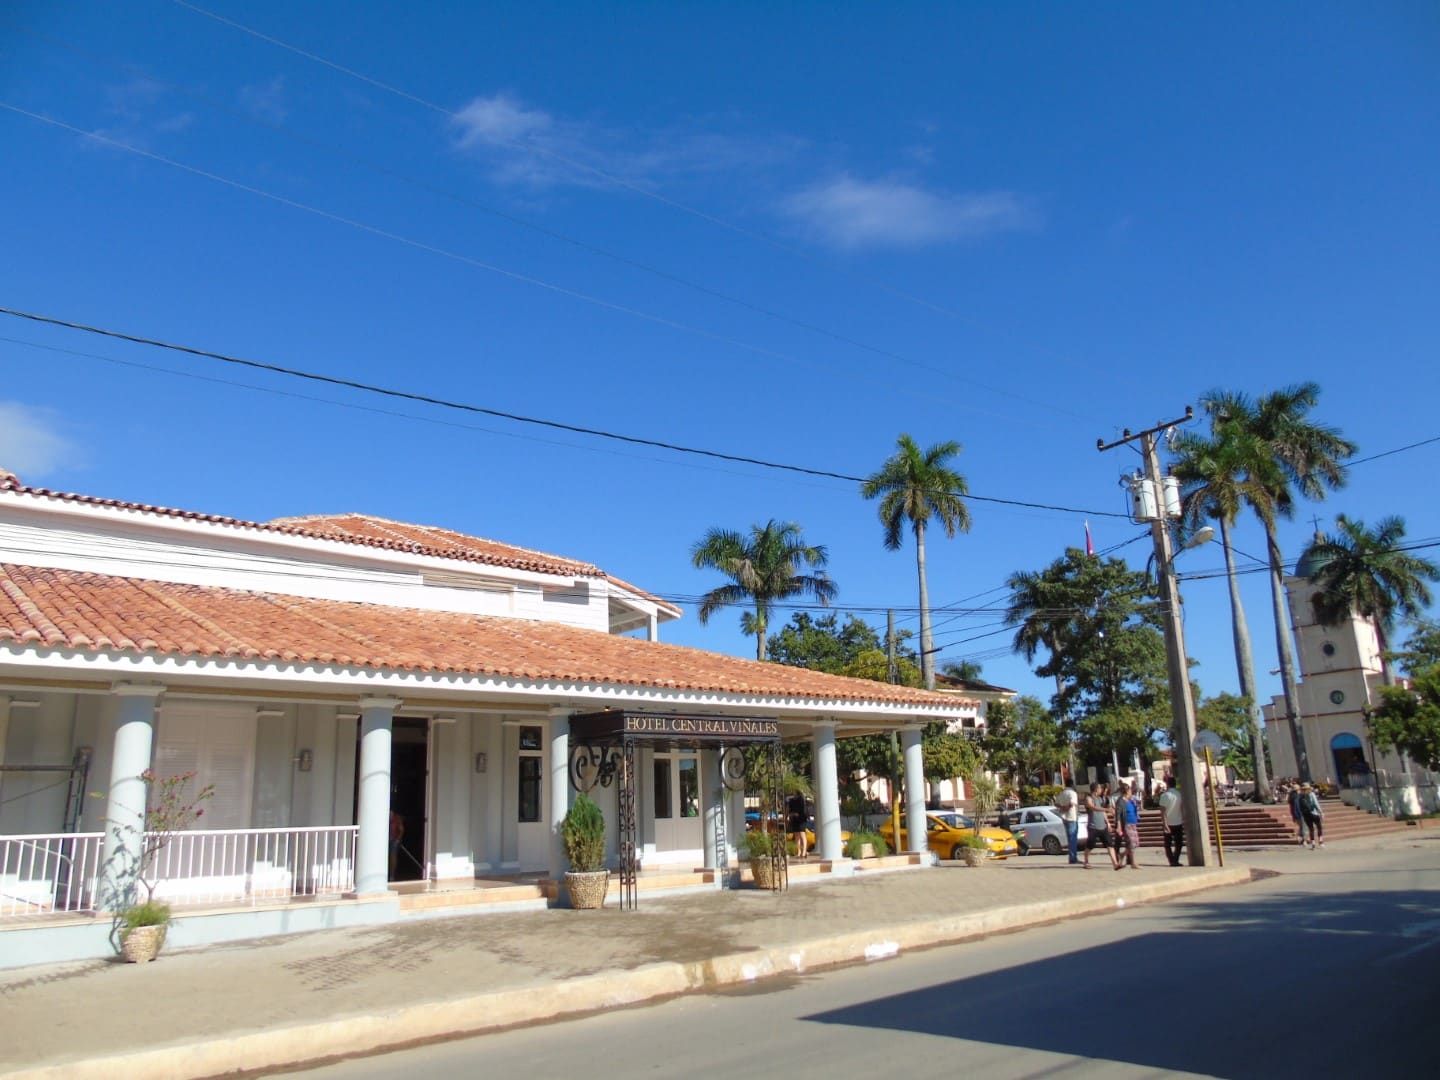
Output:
(532, 832)
(676, 797)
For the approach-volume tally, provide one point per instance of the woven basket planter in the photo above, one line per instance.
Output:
(763, 871)
(587, 891)
(973, 856)
(142, 944)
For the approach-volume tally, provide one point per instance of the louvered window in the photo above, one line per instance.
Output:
(218, 743)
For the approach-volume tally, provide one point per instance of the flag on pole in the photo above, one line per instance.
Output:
(1089, 544)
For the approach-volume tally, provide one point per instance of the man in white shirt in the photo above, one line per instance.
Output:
(1174, 823)
(1068, 803)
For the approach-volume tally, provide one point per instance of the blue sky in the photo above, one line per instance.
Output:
(781, 232)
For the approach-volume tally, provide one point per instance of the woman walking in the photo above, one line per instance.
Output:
(1312, 816)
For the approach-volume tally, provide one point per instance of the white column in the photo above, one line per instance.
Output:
(712, 791)
(372, 853)
(133, 742)
(914, 790)
(559, 780)
(827, 793)
(652, 628)
(497, 768)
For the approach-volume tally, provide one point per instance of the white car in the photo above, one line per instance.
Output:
(1041, 828)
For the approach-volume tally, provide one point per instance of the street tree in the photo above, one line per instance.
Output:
(1422, 650)
(914, 487)
(1045, 606)
(1220, 474)
(1367, 572)
(1408, 718)
(1022, 739)
(1293, 456)
(763, 568)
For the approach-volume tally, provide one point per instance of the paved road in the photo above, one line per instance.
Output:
(1326, 969)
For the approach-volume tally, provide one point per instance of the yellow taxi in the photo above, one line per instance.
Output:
(945, 831)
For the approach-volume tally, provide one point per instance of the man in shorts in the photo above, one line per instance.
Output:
(1097, 820)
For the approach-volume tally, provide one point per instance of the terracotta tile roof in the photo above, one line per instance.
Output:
(49, 608)
(363, 529)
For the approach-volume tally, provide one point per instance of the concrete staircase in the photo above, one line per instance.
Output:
(1253, 825)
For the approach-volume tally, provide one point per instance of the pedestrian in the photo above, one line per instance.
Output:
(1293, 800)
(1171, 806)
(1068, 803)
(1097, 821)
(1127, 826)
(795, 824)
(1312, 816)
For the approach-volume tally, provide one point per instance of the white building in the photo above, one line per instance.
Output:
(1340, 676)
(323, 671)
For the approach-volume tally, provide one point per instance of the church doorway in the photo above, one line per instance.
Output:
(1349, 757)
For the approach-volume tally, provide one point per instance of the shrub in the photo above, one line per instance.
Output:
(1040, 795)
(974, 840)
(759, 843)
(583, 834)
(147, 913)
(859, 839)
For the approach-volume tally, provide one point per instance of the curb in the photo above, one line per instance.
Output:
(474, 1015)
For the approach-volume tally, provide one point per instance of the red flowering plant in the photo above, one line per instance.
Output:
(168, 810)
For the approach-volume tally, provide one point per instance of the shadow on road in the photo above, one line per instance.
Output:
(1290, 985)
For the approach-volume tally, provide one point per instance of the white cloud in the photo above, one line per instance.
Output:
(848, 213)
(525, 145)
(31, 445)
(499, 119)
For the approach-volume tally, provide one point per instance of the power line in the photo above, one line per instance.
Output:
(427, 399)
(531, 146)
(555, 234)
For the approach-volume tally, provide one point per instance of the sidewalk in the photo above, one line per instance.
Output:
(283, 1001)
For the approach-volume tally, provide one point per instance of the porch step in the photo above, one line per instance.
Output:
(1258, 826)
(472, 894)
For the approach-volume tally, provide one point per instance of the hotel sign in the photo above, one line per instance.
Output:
(701, 727)
(661, 726)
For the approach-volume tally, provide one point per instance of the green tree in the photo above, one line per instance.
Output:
(913, 487)
(1292, 455)
(1408, 719)
(948, 754)
(824, 644)
(1046, 606)
(1231, 717)
(1367, 572)
(964, 670)
(1220, 475)
(763, 569)
(1022, 739)
(1422, 650)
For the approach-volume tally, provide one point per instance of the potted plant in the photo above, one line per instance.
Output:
(865, 844)
(142, 930)
(973, 850)
(583, 834)
(141, 924)
(761, 846)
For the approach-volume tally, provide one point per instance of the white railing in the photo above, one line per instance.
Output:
(46, 872)
(206, 866)
(58, 872)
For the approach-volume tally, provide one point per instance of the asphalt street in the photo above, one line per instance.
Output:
(1325, 969)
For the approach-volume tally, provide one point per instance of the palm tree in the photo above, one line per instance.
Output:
(1044, 606)
(762, 570)
(1291, 453)
(1368, 573)
(1220, 474)
(913, 486)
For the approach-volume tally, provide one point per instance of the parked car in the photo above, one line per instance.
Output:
(946, 829)
(1040, 828)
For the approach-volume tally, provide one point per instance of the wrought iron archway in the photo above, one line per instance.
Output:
(602, 753)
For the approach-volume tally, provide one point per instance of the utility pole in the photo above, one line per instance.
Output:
(894, 737)
(1157, 510)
